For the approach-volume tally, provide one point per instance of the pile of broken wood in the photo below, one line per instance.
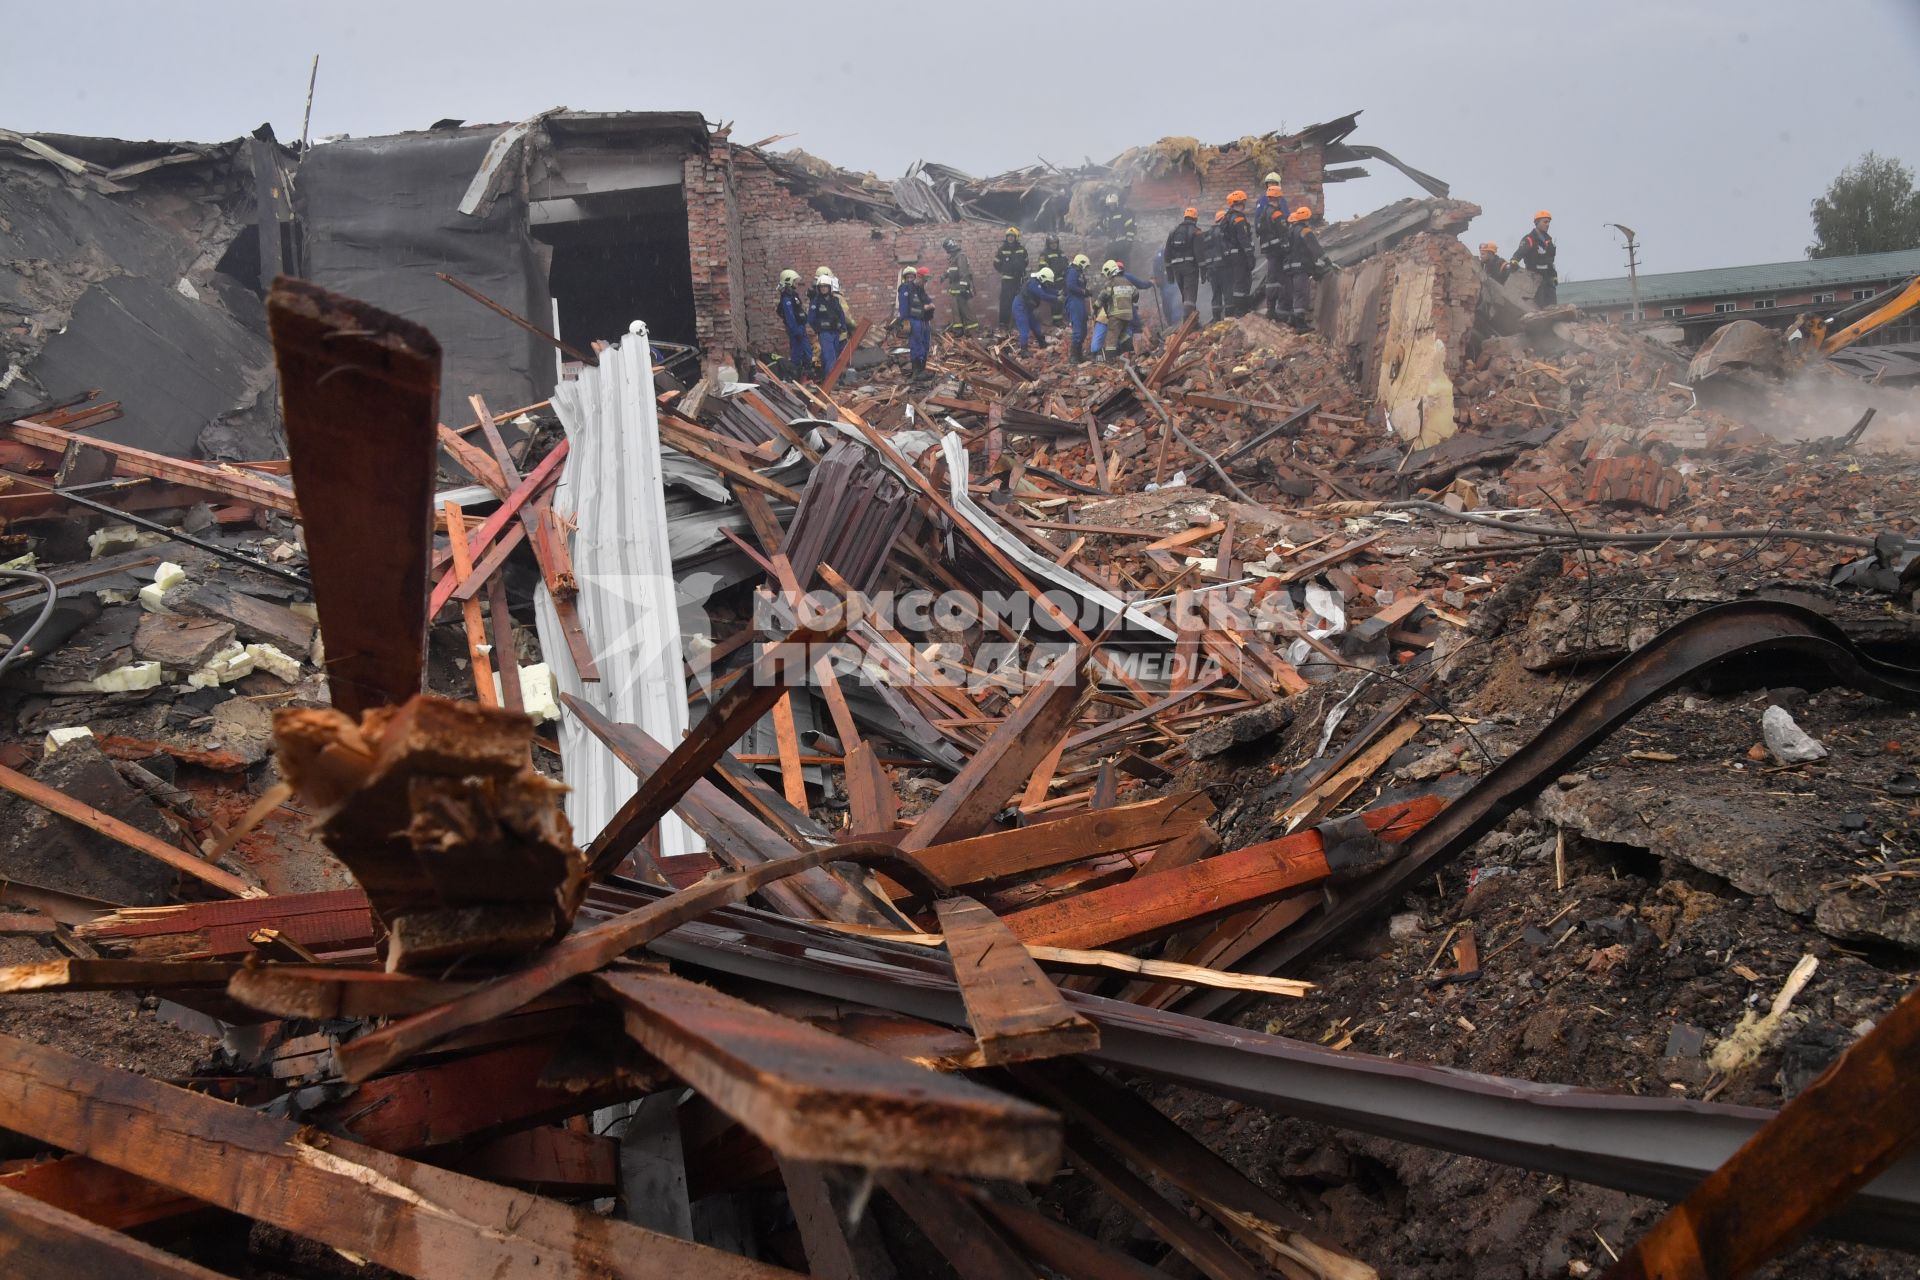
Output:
(509, 1049)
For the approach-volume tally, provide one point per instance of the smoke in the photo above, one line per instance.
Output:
(1816, 403)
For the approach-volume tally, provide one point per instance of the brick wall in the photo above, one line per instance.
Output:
(777, 230)
(714, 252)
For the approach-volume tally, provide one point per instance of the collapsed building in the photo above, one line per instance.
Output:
(1415, 798)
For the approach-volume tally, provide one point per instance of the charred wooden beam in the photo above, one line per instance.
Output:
(360, 395)
(37, 1239)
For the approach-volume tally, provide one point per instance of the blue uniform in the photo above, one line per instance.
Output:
(1031, 295)
(1076, 291)
(793, 315)
(914, 306)
(828, 316)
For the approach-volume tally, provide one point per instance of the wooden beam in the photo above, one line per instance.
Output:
(1121, 829)
(965, 1240)
(830, 1254)
(732, 469)
(845, 361)
(479, 664)
(793, 780)
(738, 709)
(37, 1239)
(870, 799)
(99, 1193)
(1148, 906)
(331, 991)
(1006, 760)
(114, 975)
(59, 802)
(129, 460)
(550, 1160)
(572, 957)
(1207, 1252)
(360, 393)
(1016, 1013)
(495, 525)
(393, 1211)
(810, 1095)
(476, 462)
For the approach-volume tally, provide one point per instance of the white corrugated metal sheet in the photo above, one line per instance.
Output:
(612, 492)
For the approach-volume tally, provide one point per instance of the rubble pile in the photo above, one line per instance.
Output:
(1409, 798)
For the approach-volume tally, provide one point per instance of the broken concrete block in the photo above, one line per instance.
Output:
(121, 537)
(539, 693)
(130, 678)
(57, 738)
(168, 576)
(275, 663)
(224, 667)
(1789, 743)
(180, 643)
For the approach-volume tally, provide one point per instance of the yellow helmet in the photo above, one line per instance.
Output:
(1044, 275)
(1273, 178)
(1110, 267)
(789, 276)
(820, 273)
(1014, 232)
(1082, 260)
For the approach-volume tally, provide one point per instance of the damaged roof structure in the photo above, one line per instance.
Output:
(501, 780)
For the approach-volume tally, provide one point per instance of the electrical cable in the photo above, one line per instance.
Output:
(1649, 538)
(46, 611)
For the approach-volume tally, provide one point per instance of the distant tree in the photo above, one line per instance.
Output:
(1870, 208)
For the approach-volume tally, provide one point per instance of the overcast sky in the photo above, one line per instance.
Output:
(1707, 125)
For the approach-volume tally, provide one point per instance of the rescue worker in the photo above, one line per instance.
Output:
(1011, 262)
(1270, 202)
(1305, 262)
(1183, 259)
(1142, 290)
(1535, 254)
(1273, 234)
(916, 312)
(1075, 289)
(1054, 259)
(827, 313)
(1119, 304)
(793, 318)
(1211, 264)
(1165, 295)
(959, 287)
(1116, 226)
(1236, 254)
(1491, 261)
(1269, 191)
(1037, 290)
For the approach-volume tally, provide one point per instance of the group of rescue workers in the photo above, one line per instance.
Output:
(1063, 289)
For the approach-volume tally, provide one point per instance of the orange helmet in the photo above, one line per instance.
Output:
(1190, 213)
(1237, 197)
(1542, 213)
(1300, 214)
(1220, 215)
(1489, 247)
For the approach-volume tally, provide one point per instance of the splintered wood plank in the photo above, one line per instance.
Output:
(360, 392)
(59, 802)
(1150, 905)
(551, 1160)
(396, 1212)
(335, 920)
(738, 709)
(870, 798)
(114, 975)
(479, 662)
(1005, 761)
(793, 779)
(501, 617)
(1207, 1252)
(1016, 1013)
(496, 524)
(1121, 829)
(809, 1095)
(841, 365)
(327, 991)
(37, 1239)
